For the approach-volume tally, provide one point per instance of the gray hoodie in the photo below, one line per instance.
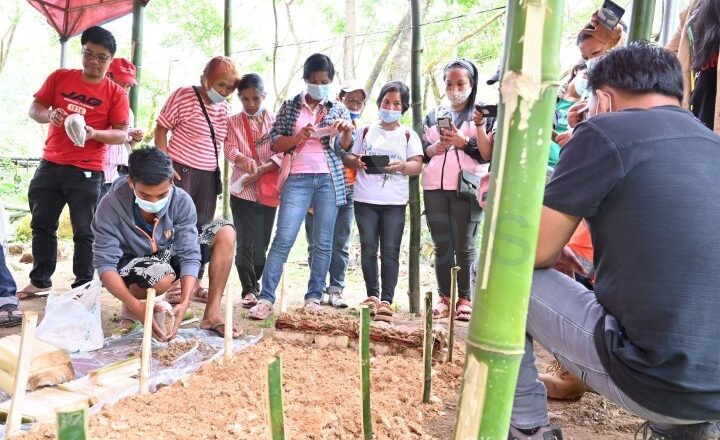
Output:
(116, 234)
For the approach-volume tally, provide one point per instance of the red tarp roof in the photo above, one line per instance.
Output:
(71, 17)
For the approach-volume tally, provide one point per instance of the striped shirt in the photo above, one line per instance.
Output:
(118, 154)
(237, 144)
(191, 143)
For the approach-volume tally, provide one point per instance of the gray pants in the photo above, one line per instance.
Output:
(562, 315)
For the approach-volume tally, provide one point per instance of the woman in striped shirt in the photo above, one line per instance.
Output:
(249, 215)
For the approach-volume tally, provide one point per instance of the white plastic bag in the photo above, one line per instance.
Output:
(75, 129)
(72, 319)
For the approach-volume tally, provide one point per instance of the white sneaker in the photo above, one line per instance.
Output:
(312, 305)
(336, 300)
(325, 299)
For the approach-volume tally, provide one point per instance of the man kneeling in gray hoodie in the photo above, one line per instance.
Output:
(145, 237)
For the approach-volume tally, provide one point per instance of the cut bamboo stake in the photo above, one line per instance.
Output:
(145, 353)
(14, 417)
(276, 418)
(365, 371)
(72, 422)
(453, 299)
(283, 288)
(427, 348)
(228, 322)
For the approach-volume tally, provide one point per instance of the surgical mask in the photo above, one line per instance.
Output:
(318, 91)
(354, 115)
(259, 110)
(591, 63)
(581, 87)
(152, 207)
(389, 116)
(458, 97)
(215, 96)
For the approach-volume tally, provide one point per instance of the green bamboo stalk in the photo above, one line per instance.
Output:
(414, 181)
(453, 299)
(136, 55)
(365, 371)
(495, 346)
(641, 22)
(427, 348)
(72, 422)
(276, 417)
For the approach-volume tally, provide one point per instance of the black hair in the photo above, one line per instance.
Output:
(149, 166)
(100, 36)
(251, 81)
(639, 67)
(577, 68)
(582, 36)
(469, 67)
(318, 62)
(396, 86)
(706, 28)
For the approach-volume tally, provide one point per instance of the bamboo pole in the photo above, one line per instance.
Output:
(228, 323)
(414, 181)
(364, 345)
(72, 422)
(276, 417)
(282, 300)
(137, 52)
(145, 352)
(22, 372)
(641, 22)
(453, 299)
(226, 165)
(495, 347)
(427, 348)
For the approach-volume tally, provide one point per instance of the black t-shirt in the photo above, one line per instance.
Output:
(648, 183)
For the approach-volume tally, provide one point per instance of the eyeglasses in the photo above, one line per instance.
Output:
(89, 56)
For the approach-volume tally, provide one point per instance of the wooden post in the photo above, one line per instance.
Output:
(146, 354)
(282, 300)
(364, 345)
(276, 417)
(72, 422)
(427, 348)
(27, 338)
(228, 322)
(453, 299)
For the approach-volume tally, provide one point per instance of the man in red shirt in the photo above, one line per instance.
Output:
(70, 174)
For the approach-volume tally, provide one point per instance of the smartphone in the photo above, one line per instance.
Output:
(554, 135)
(375, 164)
(444, 123)
(609, 14)
(489, 111)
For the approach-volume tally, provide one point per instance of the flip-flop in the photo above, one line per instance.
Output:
(200, 295)
(10, 316)
(215, 329)
(249, 300)
(463, 310)
(25, 294)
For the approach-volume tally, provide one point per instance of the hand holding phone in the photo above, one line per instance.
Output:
(609, 14)
(375, 164)
(488, 111)
(444, 123)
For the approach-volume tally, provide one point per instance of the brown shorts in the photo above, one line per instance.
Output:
(200, 185)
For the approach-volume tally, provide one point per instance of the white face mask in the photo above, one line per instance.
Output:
(591, 63)
(259, 110)
(459, 96)
(215, 96)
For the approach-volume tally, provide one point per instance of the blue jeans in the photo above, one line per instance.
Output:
(340, 243)
(7, 283)
(562, 316)
(300, 192)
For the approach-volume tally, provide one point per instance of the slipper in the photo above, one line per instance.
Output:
(173, 294)
(216, 330)
(442, 309)
(10, 316)
(463, 310)
(249, 300)
(26, 294)
(261, 311)
(200, 294)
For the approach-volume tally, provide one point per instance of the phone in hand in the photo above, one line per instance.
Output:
(444, 123)
(489, 111)
(375, 164)
(609, 14)
(554, 135)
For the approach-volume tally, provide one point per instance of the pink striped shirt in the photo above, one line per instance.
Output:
(118, 155)
(190, 143)
(237, 144)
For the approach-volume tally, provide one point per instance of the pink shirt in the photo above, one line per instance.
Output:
(443, 169)
(310, 157)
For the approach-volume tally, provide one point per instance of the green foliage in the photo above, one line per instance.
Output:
(202, 28)
(23, 233)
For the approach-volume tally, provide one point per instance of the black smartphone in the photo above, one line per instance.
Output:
(609, 14)
(554, 135)
(489, 111)
(444, 123)
(375, 164)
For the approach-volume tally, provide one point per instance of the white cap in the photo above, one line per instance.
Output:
(351, 86)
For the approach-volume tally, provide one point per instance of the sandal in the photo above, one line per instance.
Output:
(372, 302)
(27, 293)
(463, 309)
(442, 309)
(174, 294)
(10, 316)
(261, 311)
(385, 312)
(249, 300)
(219, 330)
(200, 294)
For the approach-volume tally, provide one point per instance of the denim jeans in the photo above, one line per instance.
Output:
(300, 192)
(383, 225)
(562, 316)
(340, 245)
(7, 283)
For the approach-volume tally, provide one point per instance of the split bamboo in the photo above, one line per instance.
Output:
(228, 323)
(72, 422)
(22, 371)
(282, 300)
(146, 354)
(427, 348)
(495, 346)
(276, 417)
(453, 299)
(364, 345)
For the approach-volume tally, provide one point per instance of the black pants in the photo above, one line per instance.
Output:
(51, 188)
(253, 223)
(200, 185)
(454, 225)
(383, 224)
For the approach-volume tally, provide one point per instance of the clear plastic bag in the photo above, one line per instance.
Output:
(75, 129)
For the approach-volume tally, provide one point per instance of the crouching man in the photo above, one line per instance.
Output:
(145, 237)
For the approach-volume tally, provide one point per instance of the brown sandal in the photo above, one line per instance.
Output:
(442, 309)
(249, 300)
(372, 302)
(463, 309)
(385, 312)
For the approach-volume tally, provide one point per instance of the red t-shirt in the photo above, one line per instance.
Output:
(103, 105)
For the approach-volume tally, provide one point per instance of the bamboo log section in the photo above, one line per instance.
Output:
(365, 371)
(22, 371)
(145, 353)
(453, 299)
(72, 422)
(427, 348)
(276, 417)
(228, 323)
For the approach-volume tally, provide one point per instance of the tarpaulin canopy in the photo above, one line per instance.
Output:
(71, 17)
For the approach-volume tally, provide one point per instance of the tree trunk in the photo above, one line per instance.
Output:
(641, 23)
(527, 105)
(349, 42)
(380, 61)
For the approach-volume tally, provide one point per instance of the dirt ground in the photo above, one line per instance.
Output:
(321, 385)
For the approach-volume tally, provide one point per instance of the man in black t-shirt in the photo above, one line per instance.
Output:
(645, 177)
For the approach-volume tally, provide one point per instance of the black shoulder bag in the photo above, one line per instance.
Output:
(218, 181)
(467, 182)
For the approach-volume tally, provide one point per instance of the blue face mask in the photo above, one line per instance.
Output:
(152, 207)
(390, 116)
(259, 110)
(318, 91)
(581, 87)
(354, 115)
(215, 96)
